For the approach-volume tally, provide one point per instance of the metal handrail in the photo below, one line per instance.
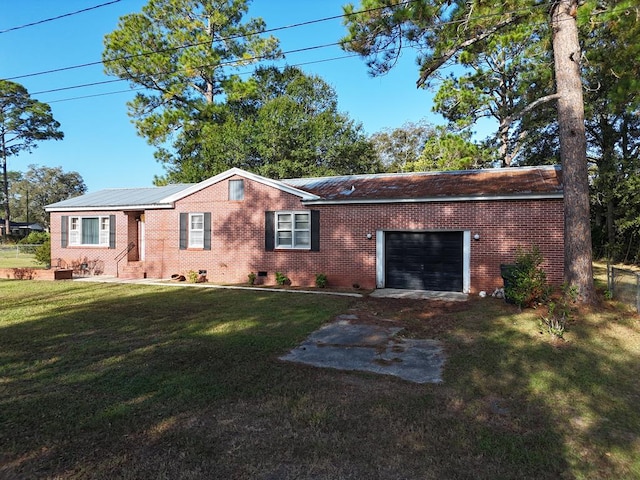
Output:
(123, 254)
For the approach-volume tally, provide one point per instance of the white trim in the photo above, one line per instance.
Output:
(248, 175)
(293, 230)
(74, 236)
(380, 272)
(478, 198)
(112, 208)
(143, 237)
(466, 255)
(466, 261)
(192, 231)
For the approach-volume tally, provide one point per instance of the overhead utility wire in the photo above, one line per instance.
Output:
(301, 64)
(126, 57)
(58, 17)
(295, 25)
(221, 64)
(207, 42)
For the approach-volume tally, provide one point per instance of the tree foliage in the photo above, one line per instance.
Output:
(280, 124)
(447, 150)
(24, 122)
(203, 119)
(502, 78)
(419, 147)
(40, 186)
(182, 53)
(399, 148)
(612, 82)
(448, 33)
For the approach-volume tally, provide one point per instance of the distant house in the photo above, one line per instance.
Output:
(20, 229)
(433, 231)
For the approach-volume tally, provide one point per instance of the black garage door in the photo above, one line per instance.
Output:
(424, 260)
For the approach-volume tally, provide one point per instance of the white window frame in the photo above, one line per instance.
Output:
(75, 231)
(196, 233)
(293, 230)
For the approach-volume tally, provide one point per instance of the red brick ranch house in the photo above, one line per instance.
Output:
(432, 231)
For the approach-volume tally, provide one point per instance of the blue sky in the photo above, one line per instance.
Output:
(100, 141)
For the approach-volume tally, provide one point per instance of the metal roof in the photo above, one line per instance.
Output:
(497, 183)
(118, 198)
(421, 186)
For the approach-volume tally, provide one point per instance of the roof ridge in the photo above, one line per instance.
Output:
(146, 188)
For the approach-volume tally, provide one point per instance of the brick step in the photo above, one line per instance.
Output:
(133, 270)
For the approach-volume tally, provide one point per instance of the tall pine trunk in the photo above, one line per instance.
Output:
(578, 269)
(5, 186)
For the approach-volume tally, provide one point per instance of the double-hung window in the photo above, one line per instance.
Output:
(293, 230)
(196, 230)
(89, 231)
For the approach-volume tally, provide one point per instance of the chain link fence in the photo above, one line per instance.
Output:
(18, 250)
(624, 286)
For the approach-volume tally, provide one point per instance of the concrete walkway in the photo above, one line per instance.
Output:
(347, 345)
(379, 293)
(419, 294)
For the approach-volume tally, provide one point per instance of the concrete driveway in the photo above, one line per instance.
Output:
(347, 345)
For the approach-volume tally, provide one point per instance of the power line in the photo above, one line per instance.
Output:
(221, 64)
(207, 42)
(58, 17)
(271, 30)
(256, 58)
(332, 59)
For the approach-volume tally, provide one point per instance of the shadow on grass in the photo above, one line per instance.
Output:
(112, 381)
(84, 368)
(570, 405)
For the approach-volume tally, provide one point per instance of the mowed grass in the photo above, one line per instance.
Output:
(9, 258)
(107, 381)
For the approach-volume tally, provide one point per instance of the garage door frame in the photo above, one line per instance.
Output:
(466, 256)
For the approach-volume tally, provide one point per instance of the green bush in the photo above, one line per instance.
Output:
(321, 280)
(282, 279)
(192, 276)
(35, 238)
(42, 252)
(525, 282)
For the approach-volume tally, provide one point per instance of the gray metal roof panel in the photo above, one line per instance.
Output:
(121, 197)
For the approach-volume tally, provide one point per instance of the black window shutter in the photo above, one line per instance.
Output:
(112, 231)
(269, 231)
(184, 218)
(64, 231)
(315, 230)
(207, 231)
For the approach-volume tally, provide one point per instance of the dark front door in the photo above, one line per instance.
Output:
(424, 260)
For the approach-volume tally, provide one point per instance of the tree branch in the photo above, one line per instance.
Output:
(548, 98)
(435, 64)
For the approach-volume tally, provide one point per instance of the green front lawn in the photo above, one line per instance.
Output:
(9, 259)
(125, 381)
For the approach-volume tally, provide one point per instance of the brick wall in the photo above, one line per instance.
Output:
(346, 256)
(102, 258)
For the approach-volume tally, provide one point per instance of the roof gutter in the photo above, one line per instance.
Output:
(110, 208)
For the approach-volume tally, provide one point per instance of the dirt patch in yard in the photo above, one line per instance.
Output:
(417, 318)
